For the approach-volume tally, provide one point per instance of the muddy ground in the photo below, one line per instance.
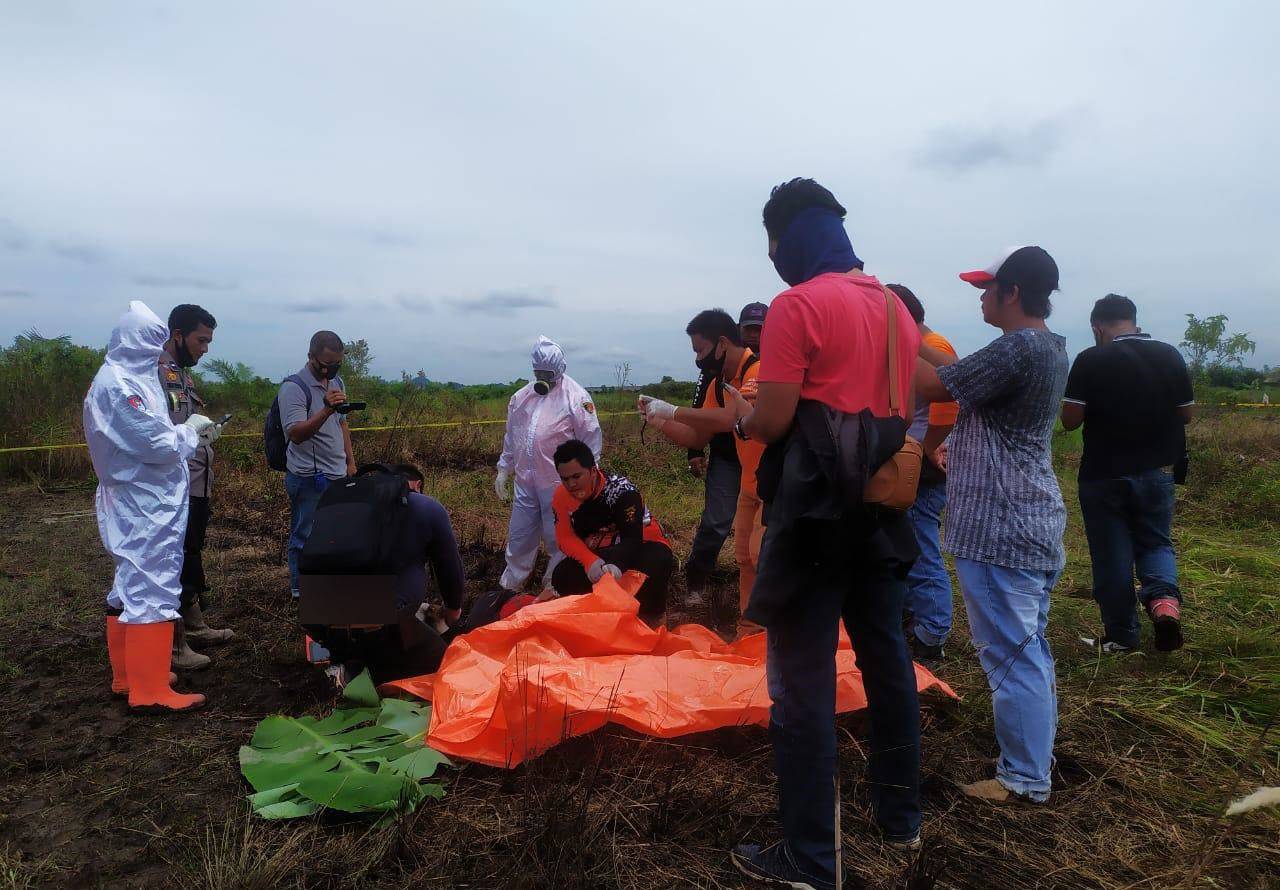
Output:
(91, 795)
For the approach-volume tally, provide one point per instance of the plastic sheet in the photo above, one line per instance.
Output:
(511, 690)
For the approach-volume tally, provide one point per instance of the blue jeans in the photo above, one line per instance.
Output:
(1008, 612)
(721, 484)
(928, 584)
(304, 495)
(864, 592)
(1127, 521)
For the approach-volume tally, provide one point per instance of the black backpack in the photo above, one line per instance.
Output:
(360, 526)
(274, 441)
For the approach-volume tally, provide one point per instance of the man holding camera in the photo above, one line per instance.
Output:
(312, 412)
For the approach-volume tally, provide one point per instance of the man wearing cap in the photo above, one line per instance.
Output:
(1134, 397)
(751, 323)
(1005, 516)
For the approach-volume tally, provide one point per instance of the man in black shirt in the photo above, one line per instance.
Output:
(1133, 395)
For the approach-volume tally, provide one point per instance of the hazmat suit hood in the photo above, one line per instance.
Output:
(547, 356)
(137, 340)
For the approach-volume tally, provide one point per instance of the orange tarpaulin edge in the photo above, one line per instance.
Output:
(511, 690)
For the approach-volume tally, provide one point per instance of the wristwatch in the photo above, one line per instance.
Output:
(738, 430)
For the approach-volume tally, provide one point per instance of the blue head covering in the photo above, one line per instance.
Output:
(814, 242)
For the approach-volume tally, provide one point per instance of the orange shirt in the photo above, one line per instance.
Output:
(942, 413)
(750, 451)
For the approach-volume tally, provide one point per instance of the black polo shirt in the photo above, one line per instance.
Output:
(1131, 389)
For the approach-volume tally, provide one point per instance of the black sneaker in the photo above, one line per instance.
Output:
(922, 652)
(773, 865)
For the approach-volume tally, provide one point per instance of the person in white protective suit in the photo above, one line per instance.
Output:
(542, 415)
(140, 458)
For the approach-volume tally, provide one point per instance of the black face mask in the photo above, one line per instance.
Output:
(328, 372)
(183, 354)
(711, 362)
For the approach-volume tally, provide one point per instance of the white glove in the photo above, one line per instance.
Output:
(500, 485)
(613, 570)
(600, 568)
(207, 431)
(656, 409)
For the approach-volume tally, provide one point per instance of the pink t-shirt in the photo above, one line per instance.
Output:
(828, 334)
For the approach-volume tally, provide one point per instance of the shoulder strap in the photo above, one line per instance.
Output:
(306, 390)
(891, 325)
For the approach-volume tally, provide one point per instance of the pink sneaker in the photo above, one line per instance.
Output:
(1166, 618)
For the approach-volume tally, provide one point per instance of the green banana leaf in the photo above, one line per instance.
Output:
(367, 758)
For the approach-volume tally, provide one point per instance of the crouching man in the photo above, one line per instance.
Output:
(404, 646)
(603, 527)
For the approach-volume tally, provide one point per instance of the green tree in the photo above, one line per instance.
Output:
(1208, 345)
(355, 361)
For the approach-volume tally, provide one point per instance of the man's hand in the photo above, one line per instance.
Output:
(600, 568)
(334, 397)
(656, 408)
(741, 407)
(351, 468)
(205, 429)
(500, 485)
(938, 457)
(547, 595)
(698, 466)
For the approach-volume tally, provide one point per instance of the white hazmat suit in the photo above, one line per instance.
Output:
(536, 425)
(141, 461)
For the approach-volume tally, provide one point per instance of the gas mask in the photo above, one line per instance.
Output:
(544, 382)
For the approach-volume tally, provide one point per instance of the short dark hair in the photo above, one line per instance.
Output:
(1034, 302)
(574, 449)
(410, 472)
(1113, 307)
(789, 198)
(910, 300)
(714, 324)
(187, 317)
(322, 340)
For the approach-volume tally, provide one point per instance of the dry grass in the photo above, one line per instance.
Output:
(1150, 748)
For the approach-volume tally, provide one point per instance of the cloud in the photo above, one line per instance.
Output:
(960, 149)
(313, 307)
(14, 293)
(80, 253)
(12, 237)
(413, 302)
(189, 282)
(388, 238)
(500, 301)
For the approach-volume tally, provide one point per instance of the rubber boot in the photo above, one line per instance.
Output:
(184, 658)
(200, 632)
(147, 651)
(115, 652)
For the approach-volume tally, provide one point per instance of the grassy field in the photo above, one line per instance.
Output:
(1150, 749)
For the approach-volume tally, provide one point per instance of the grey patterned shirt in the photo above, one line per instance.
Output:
(1003, 502)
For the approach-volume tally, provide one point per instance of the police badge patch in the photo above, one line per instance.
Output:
(135, 402)
(588, 407)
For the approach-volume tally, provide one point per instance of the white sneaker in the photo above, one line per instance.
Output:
(337, 675)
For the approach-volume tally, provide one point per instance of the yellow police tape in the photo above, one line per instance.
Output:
(355, 429)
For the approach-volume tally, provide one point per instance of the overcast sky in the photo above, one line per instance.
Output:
(451, 180)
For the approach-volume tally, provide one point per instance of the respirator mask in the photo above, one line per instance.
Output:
(544, 382)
